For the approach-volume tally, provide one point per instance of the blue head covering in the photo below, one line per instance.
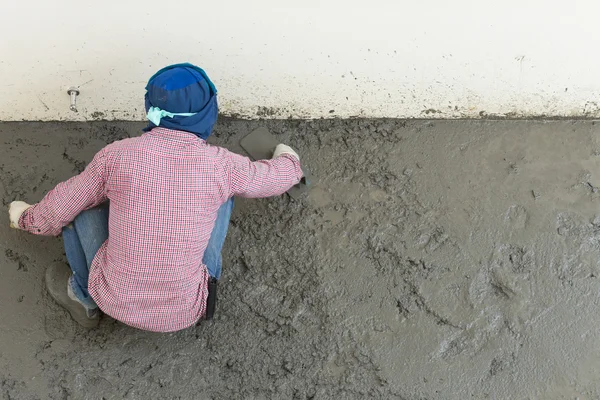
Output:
(181, 97)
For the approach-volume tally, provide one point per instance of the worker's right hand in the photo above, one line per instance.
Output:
(16, 209)
(284, 149)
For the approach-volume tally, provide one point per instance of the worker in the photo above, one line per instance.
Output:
(144, 224)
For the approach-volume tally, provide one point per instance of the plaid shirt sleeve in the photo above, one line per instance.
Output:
(63, 203)
(264, 178)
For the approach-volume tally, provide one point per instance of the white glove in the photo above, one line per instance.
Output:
(283, 149)
(16, 209)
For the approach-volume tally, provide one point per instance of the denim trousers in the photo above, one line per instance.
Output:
(88, 232)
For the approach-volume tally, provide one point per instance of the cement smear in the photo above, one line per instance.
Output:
(432, 260)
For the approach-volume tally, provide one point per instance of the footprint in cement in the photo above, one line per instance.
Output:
(517, 216)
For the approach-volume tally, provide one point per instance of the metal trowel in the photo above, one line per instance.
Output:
(260, 145)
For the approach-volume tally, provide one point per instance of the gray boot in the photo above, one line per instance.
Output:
(57, 283)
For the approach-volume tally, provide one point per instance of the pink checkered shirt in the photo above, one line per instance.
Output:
(165, 188)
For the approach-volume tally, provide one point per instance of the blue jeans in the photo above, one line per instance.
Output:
(84, 237)
(212, 255)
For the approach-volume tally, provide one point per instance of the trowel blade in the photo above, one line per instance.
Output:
(260, 145)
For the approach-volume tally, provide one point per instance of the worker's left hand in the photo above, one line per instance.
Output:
(16, 209)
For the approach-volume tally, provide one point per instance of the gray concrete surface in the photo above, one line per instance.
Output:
(431, 260)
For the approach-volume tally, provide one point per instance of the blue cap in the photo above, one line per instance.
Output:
(183, 89)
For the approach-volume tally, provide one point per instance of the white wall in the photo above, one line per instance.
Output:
(375, 58)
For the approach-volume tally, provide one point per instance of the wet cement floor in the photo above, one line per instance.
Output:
(431, 260)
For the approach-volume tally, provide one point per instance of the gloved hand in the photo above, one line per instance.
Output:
(16, 209)
(283, 149)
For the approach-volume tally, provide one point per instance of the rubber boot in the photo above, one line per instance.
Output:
(57, 281)
(211, 300)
